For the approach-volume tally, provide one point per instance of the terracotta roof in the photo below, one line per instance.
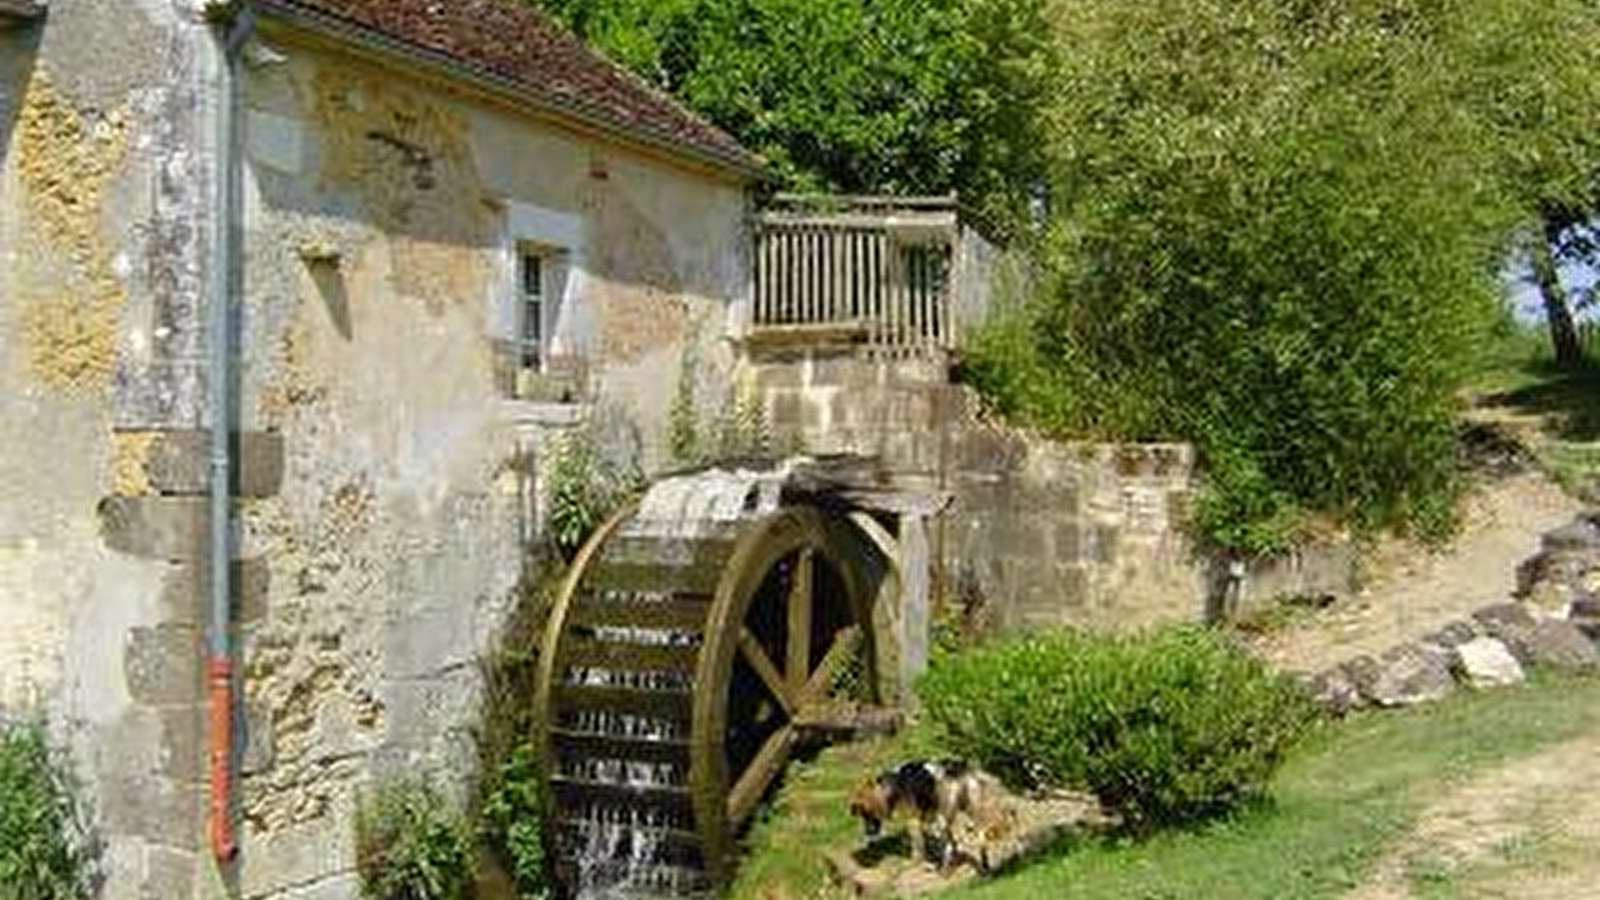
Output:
(514, 47)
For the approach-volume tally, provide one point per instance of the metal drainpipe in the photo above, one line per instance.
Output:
(233, 29)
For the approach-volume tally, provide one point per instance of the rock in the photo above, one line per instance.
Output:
(1580, 534)
(1551, 598)
(1407, 675)
(1500, 614)
(1561, 566)
(1452, 635)
(1335, 691)
(1559, 644)
(1484, 662)
(1584, 607)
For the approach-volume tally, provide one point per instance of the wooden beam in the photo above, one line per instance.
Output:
(757, 656)
(801, 589)
(766, 765)
(816, 688)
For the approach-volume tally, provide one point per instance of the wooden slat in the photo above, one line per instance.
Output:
(766, 765)
(681, 612)
(608, 746)
(572, 792)
(622, 657)
(664, 578)
(673, 705)
(817, 685)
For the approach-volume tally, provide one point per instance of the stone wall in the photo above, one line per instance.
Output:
(1044, 533)
(1038, 532)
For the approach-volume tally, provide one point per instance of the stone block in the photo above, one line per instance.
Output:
(1103, 547)
(260, 746)
(185, 592)
(1560, 644)
(1073, 540)
(786, 410)
(788, 376)
(156, 809)
(169, 874)
(300, 855)
(990, 451)
(1504, 614)
(1335, 691)
(1579, 535)
(170, 528)
(1404, 676)
(427, 712)
(1484, 662)
(343, 886)
(1452, 635)
(184, 743)
(162, 664)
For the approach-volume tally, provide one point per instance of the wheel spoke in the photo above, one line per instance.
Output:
(800, 600)
(759, 774)
(757, 657)
(817, 687)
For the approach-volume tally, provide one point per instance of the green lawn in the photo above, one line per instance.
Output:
(1350, 789)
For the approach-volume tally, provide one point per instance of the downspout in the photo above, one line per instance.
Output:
(233, 25)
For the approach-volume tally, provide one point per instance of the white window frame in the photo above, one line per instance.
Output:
(557, 237)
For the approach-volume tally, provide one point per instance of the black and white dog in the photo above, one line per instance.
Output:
(931, 794)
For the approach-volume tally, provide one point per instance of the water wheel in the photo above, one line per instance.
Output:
(686, 658)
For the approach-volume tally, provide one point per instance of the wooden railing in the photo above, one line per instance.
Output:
(888, 272)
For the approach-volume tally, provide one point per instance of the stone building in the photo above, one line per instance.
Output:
(441, 230)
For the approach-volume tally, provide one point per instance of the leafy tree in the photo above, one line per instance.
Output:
(892, 96)
(1278, 228)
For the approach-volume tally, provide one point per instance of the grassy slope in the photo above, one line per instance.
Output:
(1350, 790)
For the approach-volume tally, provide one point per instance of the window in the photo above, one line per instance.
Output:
(533, 306)
(536, 364)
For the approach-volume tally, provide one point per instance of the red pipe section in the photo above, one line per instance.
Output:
(219, 674)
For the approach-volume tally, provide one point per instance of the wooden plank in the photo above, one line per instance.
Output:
(623, 657)
(590, 745)
(571, 793)
(699, 578)
(671, 705)
(763, 769)
(681, 612)
(757, 657)
(799, 600)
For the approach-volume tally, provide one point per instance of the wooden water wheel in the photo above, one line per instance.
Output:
(683, 663)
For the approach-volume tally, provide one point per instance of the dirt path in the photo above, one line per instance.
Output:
(1411, 591)
(1525, 831)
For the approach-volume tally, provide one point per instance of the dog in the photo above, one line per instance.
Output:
(933, 795)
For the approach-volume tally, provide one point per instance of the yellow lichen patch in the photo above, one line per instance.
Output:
(72, 340)
(66, 161)
(130, 463)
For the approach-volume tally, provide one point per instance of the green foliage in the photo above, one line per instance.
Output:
(512, 816)
(683, 435)
(412, 845)
(584, 489)
(1278, 231)
(1165, 728)
(897, 96)
(46, 850)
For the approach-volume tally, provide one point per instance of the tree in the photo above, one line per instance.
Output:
(1278, 231)
(857, 96)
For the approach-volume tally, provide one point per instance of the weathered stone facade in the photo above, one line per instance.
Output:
(384, 499)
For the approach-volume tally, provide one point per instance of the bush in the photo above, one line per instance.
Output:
(46, 852)
(1165, 728)
(512, 818)
(412, 845)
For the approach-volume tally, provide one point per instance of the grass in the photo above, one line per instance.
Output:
(1349, 791)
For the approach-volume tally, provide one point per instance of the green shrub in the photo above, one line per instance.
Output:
(412, 845)
(1164, 728)
(512, 822)
(46, 851)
